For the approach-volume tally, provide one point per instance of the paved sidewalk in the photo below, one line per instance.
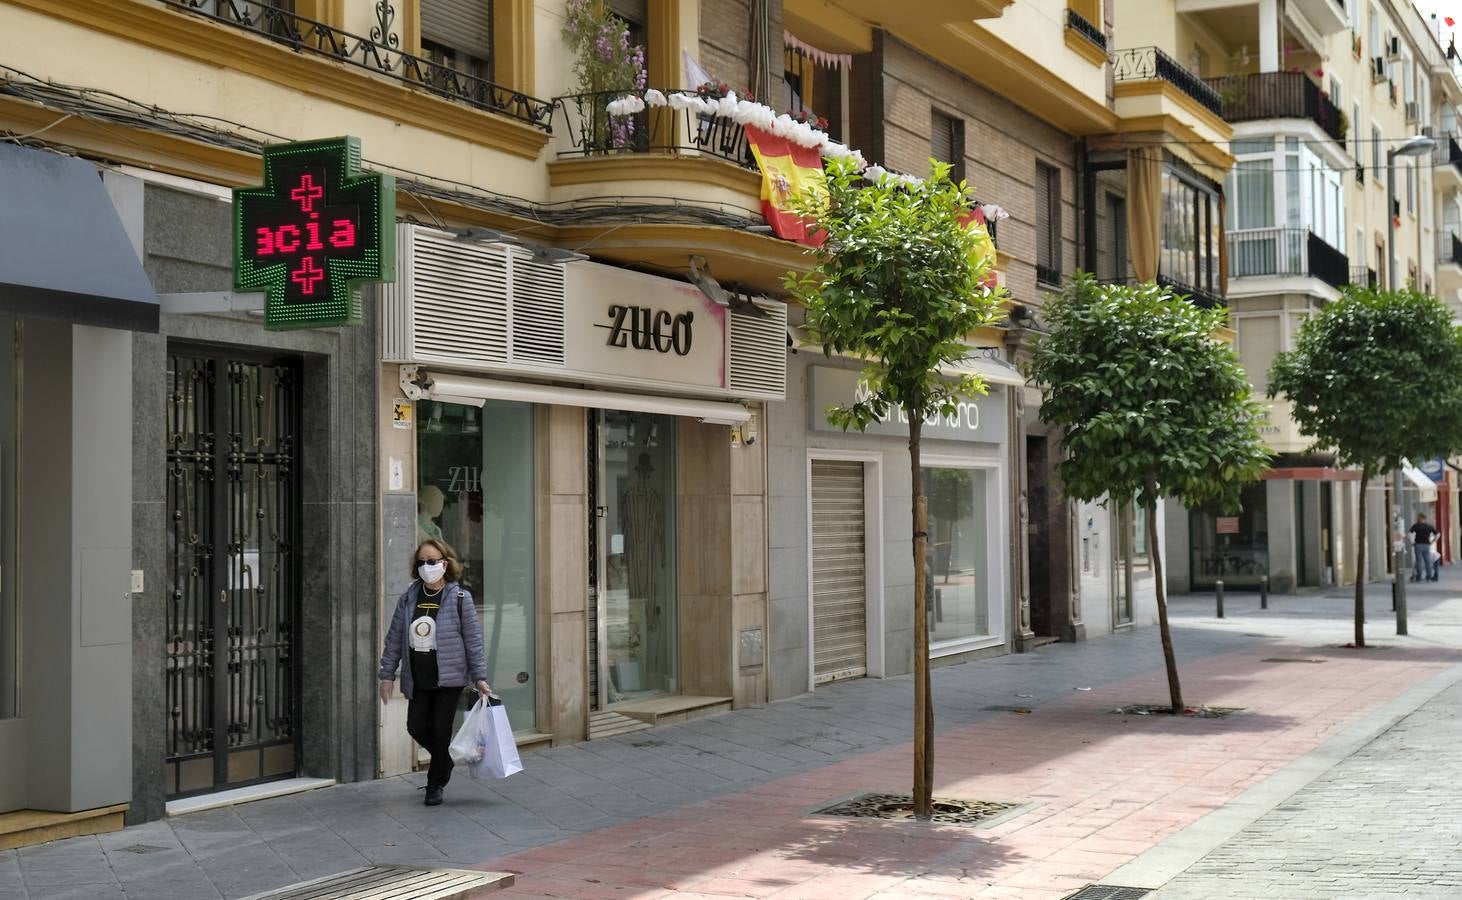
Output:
(719, 807)
(1382, 823)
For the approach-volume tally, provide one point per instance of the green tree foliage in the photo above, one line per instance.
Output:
(1151, 405)
(1375, 377)
(900, 284)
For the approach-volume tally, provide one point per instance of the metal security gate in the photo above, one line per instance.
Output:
(233, 571)
(839, 571)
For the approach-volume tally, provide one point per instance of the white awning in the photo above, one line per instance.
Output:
(448, 388)
(1426, 489)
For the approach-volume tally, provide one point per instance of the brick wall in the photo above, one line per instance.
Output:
(1002, 146)
(725, 44)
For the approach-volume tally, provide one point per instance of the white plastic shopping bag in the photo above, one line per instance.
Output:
(466, 746)
(499, 752)
(1433, 555)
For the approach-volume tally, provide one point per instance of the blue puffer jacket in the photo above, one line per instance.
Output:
(460, 657)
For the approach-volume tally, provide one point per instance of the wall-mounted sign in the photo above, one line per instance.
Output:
(1226, 525)
(975, 419)
(639, 327)
(312, 232)
(1434, 469)
(401, 413)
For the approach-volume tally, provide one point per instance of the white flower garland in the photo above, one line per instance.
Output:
(759, 115)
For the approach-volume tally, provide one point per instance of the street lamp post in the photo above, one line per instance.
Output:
(1419, 145)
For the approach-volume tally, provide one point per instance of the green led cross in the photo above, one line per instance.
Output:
(313, 232)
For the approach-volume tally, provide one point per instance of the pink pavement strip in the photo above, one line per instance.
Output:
(1102, 788)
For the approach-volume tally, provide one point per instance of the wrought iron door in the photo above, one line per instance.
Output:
(233, 571)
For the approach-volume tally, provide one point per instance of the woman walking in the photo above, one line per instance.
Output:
(436, 639)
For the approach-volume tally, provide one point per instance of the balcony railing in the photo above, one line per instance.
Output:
(1277, 95)
(1280, 252)
(593, 132)
(1449, 249)
(378, 53)
(1363, 276)
(1089, 30)
(1196, 296)
(1449, 152)
(1150, 63)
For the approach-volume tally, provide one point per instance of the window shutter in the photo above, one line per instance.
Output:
(464, 25)
(941, 144)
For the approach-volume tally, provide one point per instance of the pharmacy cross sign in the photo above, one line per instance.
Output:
(312, 232)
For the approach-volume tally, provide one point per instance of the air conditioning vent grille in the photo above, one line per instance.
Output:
(538, 312)
(758, 365)
(461, 299)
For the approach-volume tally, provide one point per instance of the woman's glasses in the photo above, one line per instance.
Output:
(428, 562)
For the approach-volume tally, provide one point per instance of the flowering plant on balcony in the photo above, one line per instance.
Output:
(604, 59)
(808, 117)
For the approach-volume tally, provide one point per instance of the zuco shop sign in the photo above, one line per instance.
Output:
(976, 419)
(639, 328)
(313, 232)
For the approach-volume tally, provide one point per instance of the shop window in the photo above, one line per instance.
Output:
(458, 34)
(947, 143)
(9, 602)
(1232, 548)
(957, 567)
(637, 644)
(490, 522)
(1048, 224)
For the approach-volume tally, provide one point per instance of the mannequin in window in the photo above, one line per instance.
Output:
(429, 504)
(643, 510)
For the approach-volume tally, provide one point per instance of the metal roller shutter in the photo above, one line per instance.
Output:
(839, 587)
(464, 25)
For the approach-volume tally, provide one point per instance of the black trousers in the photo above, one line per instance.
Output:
(429, 720)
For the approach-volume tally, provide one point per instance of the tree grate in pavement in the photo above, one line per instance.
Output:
(1108, 892)
(899, 807)
(1292, 659)
(1023, 710)
(143, 848)
(1189, 712)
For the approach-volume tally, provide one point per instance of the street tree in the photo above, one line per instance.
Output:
(1375, 378)
(1151, 405)
(900, 283)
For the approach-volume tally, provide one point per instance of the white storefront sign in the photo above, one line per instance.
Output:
(974, 419)
(628, 325)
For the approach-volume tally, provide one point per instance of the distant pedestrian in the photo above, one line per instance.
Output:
(435, 638)
(1422, 535)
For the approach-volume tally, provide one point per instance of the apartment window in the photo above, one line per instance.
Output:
(458, 34)
(947, 143)
(1335, 92)
(1376, 154)
(1048, 224)
(1355, 130)
(1117, 240)
(636, 16)
(1190, 231)
(1374, 43)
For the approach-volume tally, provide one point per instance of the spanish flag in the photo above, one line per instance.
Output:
(786, 171)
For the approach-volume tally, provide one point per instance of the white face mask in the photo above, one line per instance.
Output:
(433, 573)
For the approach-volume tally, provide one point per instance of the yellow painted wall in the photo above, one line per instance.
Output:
(1036, 28)
(1146, 23)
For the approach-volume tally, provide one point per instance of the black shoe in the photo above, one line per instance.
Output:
(433, 796)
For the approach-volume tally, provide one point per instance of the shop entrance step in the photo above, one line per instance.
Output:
(24, 827)
(606, 723)
(673, 708)
(394, 882)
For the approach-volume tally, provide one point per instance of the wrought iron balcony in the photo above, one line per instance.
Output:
(1048, 274)
(1363, 276)
(1196, 296)
(1286, 252)
(1150, 63)
(1449, 249)
(1449, 152)
(379, 53)
(1277, 95)
(1089, 30)
(592, 131)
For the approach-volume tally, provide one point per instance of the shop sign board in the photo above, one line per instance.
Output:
(1434, 469)
(976, 419)
(628, 325)
(313, 232)
(1226, 525)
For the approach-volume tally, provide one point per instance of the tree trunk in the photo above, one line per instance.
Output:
(1175, 689)
(923, 706)
(1360, 563)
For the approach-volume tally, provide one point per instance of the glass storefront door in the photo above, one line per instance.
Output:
(957, 566)
(638, 633)
(476, 492)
